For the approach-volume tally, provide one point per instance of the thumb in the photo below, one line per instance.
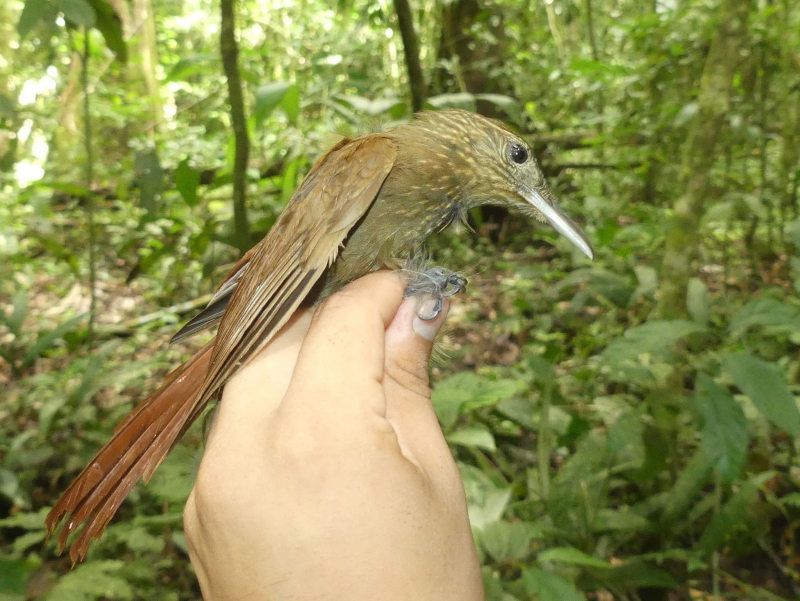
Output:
(409, 342)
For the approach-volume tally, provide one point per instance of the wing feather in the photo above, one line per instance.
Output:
(306, 238)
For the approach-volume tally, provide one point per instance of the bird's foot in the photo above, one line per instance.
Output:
(433, 284)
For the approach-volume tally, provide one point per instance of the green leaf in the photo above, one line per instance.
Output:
(479, 438)
(79, 12)
(7, 108)
(268, 97)
(149, 179)
(733, 516)
(13, 576)
(573, 557)
(93, 580)
(773, 315)
(291, 104)
(191, 65)
(766, 387)
(109, 24)
(545, 586)
(725, 429)
(32, 13)
(504, 540)
(697, 301)
(486, 500)
(28, 521)
(14, 321)
(652, 337)
(467, 391)
(638, 574)
(187, 180)
(648, 283)
(510, 105)
(689, 483)
(45, 341)
(373, 108)
(454, 101)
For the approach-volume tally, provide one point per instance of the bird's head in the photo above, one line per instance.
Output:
(479, 161)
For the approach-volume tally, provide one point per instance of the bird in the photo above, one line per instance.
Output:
(368, 203)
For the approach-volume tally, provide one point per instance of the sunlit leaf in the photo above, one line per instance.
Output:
(479, 438)
(504, 540)
(452, 101)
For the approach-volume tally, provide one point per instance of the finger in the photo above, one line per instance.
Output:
(258, 388)
(409, 341)
(344, 348)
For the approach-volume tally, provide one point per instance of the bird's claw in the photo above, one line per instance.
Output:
(436, 283)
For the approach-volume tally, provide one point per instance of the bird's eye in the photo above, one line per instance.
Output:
(519, 154)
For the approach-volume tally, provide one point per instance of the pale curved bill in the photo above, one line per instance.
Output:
(559, 220)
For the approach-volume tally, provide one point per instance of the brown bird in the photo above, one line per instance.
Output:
(367, 204)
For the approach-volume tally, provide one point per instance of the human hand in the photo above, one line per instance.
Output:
(326, 474)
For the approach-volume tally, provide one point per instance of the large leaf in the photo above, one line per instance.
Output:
(725, 429)
(772, 315)
(652, 337)
(270, 95)
(109, 24)
(187, 179)
(766, 387)
(479, 438)
(32, 13)
(504, 540)
(545, 586)
(466, 391)
(79, 12)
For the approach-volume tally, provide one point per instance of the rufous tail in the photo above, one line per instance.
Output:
(140, 443)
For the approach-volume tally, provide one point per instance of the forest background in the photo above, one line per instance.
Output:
(626, 429)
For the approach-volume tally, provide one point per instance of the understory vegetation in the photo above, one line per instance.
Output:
(626, 428)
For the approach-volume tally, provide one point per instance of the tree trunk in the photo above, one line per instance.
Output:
(230, 62)
(416, 80)
(699, 158)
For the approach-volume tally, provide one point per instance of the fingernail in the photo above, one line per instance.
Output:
(428, 328)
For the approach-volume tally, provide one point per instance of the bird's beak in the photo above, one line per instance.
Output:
(559, 220)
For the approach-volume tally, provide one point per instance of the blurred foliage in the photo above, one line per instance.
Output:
(607, 453)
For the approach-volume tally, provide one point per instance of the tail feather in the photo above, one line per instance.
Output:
(140, 443)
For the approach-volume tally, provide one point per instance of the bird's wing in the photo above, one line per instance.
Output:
(213, 311)
(304, 241)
